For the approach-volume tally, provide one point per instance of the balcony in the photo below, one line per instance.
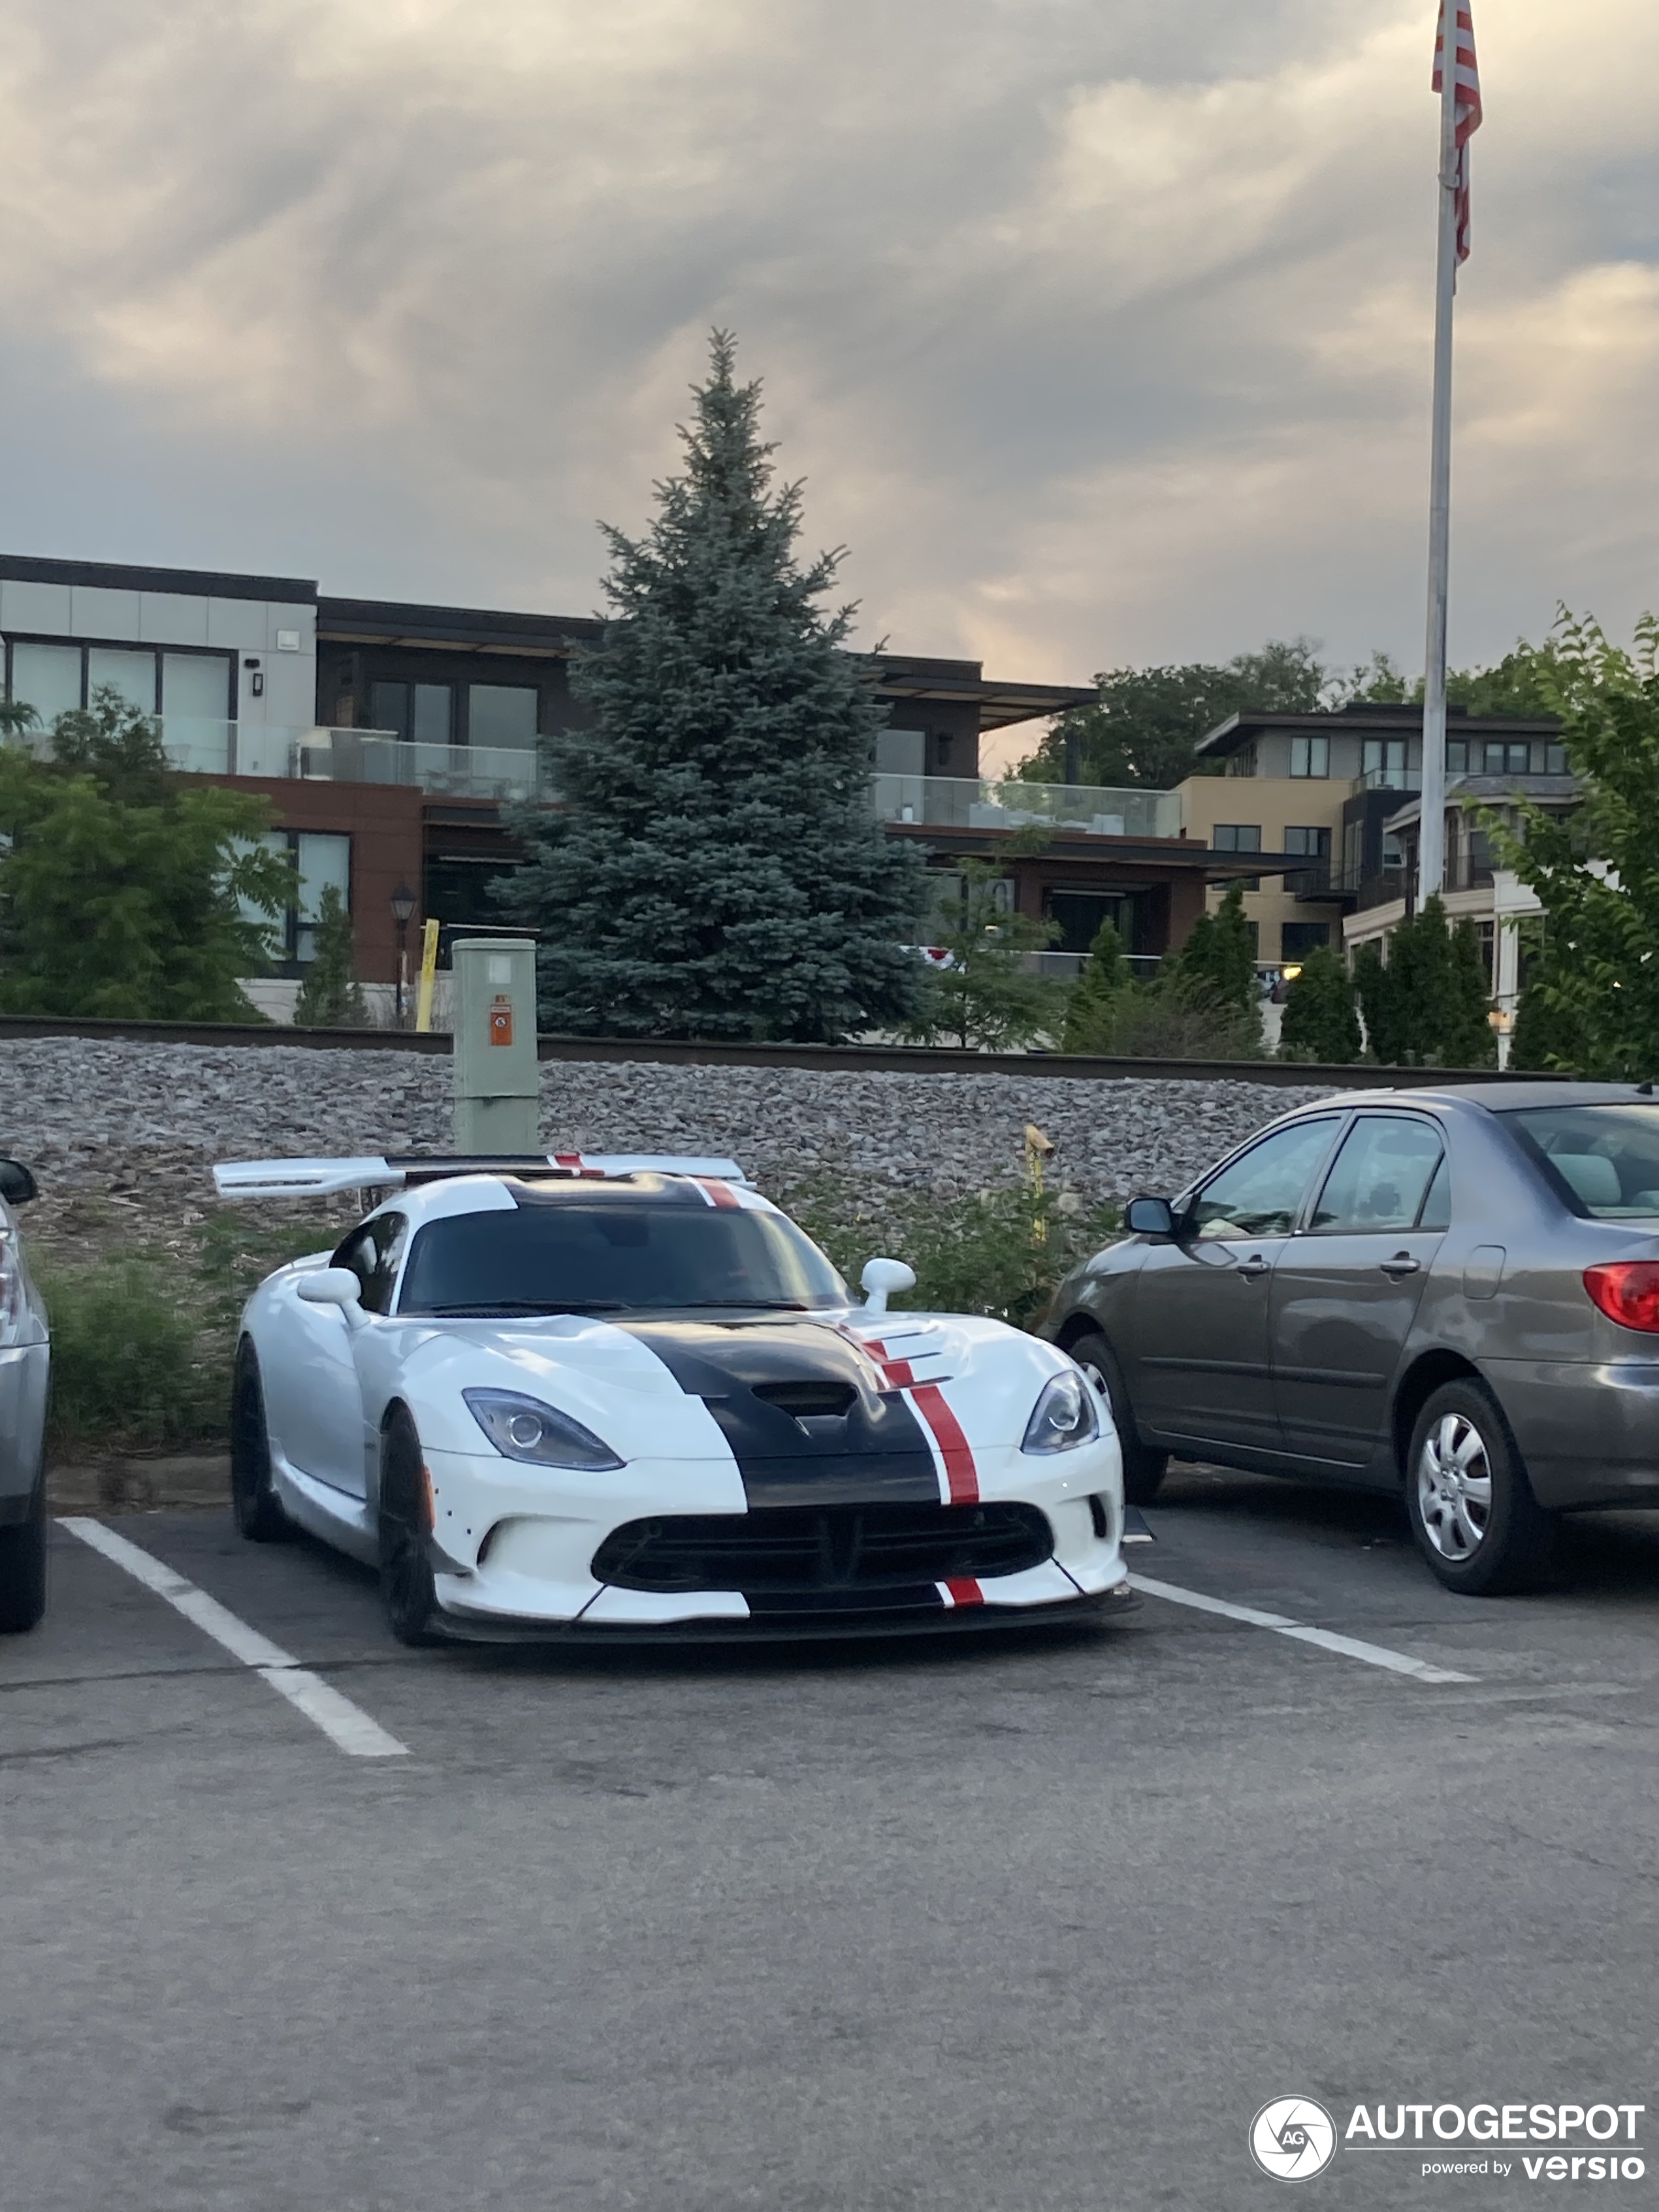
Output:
(956, 802)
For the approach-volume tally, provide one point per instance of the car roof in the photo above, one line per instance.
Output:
(1492, 1098)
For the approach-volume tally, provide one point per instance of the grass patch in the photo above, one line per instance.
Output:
(127, 1364)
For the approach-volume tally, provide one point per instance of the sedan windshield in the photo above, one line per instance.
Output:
(614, 1259)
(1603, 1160)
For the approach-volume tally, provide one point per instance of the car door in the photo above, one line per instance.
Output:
(1199, 1369)
(1346, 1287)
(315, 1403)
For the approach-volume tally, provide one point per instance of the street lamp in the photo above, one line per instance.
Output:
(403, 909)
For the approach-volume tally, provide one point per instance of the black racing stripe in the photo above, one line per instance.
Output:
(876, 1453)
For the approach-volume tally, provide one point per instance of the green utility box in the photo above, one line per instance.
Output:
(497, 1090)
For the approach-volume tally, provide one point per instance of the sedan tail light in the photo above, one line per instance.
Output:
(1627, 1291)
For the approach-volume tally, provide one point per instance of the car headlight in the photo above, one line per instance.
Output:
(524, 1428)
(1063, 1417)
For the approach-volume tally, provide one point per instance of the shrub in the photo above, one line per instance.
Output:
(126, 1359)
(1321, 1022)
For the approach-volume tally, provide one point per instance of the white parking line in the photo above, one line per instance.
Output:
(343, 1723)
(1350, 1647)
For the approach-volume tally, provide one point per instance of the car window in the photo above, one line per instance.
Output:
(1260, 1193)
(594, 1257)
(373, 1253)
(1603, 1160)
(1380, 1178)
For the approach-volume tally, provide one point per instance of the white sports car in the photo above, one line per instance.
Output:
(628, 1396)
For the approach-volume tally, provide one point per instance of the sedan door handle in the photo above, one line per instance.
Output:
(1401, 1264)
(1254, 1266)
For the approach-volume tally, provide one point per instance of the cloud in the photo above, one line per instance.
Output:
(1099, 334)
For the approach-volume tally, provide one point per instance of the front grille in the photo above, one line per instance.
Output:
(804, 1550)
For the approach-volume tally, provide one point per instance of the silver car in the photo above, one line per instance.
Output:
(24, 1355)
(1454, 1291)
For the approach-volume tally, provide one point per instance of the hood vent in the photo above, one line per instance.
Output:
(809, 1398)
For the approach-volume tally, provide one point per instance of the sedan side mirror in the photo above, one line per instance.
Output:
(16, 1183)
(1150, 1217)
(884, 1279)
(333, 1286)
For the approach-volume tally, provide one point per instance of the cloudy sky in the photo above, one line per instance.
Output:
(1098, 328)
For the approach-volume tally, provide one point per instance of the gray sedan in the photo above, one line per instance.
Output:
(24, 1354)
(1454, 1291)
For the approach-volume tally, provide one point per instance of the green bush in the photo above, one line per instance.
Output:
(127, 1364)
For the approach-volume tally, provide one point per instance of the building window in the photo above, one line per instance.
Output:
(1299, 938)
(1555, 760)
(501, 714)
(321, 857)
(1385, 759)
(422, 712)
(1239, 837)
(1301, 837)
(1310, 757)
(1511, 757)
(59, 679)
(1457, 756)
(1485, 932)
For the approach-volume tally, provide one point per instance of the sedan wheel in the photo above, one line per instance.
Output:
(23, 1567)
(1471, 1510)
(1143, 1468)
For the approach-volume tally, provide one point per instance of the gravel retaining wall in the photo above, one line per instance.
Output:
(95, 1113)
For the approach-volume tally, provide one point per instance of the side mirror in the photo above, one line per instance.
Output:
(1150, 1217)
(884, 1279)
(333, 1286)
(16, 1183)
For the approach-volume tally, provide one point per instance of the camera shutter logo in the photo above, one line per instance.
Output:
(1292, 2139)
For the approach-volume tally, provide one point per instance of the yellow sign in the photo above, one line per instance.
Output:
(428, 975)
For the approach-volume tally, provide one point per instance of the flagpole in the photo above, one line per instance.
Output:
(1431, 826)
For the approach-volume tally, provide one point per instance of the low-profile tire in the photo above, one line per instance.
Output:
(405, 1525)
(258, 1512)
(1471, 1510)
(1144, 1469)
(24, 1568)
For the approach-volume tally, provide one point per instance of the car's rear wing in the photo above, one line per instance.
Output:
(322, 1178)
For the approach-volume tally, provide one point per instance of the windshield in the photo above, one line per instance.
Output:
(1603, 1160)
(614, 1259)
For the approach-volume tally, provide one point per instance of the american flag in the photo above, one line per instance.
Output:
(1468, 82)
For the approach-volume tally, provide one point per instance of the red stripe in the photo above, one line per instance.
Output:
(899, 1373)
(567, 1159)
(719, 1193)
(965, 1590)
(873, 1346)
(960, 1473)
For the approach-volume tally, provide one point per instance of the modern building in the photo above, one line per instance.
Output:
(387, 736)
(1336, 790)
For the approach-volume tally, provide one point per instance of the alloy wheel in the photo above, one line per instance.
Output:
(1454, 1488)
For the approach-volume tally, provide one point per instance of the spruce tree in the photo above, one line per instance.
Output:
(1221, 955)
(711, 865)
(1321, 1022)
(1095, 1010)
(330, 997)
(1427, 1007)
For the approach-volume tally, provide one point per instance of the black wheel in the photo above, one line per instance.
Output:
(24, 1568)
(259, 1512)
(406, 1586)
(1471, 1510)
(1144, 1469)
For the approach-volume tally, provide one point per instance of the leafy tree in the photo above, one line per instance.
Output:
(1592, 996)
(1427, 1006)
(1219, 956)
(986, 998)
(1100, 996)
(1321, 1021)
(121, 883)
(713, 867)
(1144, 727)
(330, 997)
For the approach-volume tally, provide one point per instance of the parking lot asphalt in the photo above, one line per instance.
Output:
(1032, 1920)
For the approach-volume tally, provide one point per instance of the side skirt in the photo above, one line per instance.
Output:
(321, 1511)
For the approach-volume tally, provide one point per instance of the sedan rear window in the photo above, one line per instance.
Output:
(598, 1259)
(1603, 1160)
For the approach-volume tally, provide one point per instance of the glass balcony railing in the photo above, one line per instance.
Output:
(499, 772)
(957, 802)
